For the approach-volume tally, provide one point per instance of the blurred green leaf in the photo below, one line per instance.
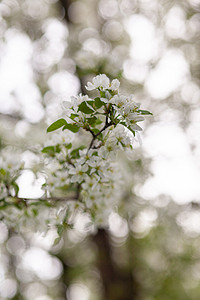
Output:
(75, 152)
(144, 112)
(49, 150)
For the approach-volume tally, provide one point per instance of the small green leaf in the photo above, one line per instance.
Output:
(16, 188)
(35, 211)
(144, 112)
(75, 152)
(95, 153)
(57, 148)
(90, 102)
(98, 122)
(131, 130)
(83, 107)
(57, 124)
(66, 216)
(49, 150)
(116, 121)
(2, 172)
(73, 116)
(123, 123)
(95, 130)
(102, 94)
(98, 103)
(92, 120)
(68, 146)
(57, 240)
(100, 136)
(72, 127)
(60, 229)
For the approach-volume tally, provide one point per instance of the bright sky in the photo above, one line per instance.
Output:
(174, 167)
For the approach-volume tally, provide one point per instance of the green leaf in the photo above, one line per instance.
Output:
(100, 136)
(95, 130)
(71, 127)
(35, 211)
(144, 112)
(98, 103)
(49, 150)
(75, 152)
(68, 146)
(57, 124)
(66, 216)
(57, 148)
(90, 102)
(73, 116)
(116, 121)
(57, 240)
(60, 229)
(131, 130)
(102, 94)
(83, 107)
(16, 188)
(98, 122)
(95, 153)
(123, 123)
(2, 172)
(92, 120)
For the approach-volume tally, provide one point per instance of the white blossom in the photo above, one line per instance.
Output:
(111, 127)
(100, 81)
(78, 173)
(61, 138)
(115, 85)
(91, 182)
(75, 102)
(86, 157)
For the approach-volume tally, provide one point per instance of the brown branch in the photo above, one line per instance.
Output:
(13, 117)
(69, 198)
(107, 124)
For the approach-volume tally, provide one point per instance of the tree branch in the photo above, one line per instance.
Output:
(107, 124)
(13, 117)
(25, 201)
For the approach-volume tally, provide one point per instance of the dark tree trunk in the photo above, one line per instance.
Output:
(118, 284)
(65, 5)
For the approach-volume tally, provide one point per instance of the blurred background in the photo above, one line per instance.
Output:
(49, 49)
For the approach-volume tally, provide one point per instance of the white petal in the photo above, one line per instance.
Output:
(90, 86)
(67, 104)
(115, 84)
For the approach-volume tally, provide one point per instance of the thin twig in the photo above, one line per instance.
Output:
(107, 124)
(69, 198)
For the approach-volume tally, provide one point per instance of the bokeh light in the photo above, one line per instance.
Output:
(49, 49)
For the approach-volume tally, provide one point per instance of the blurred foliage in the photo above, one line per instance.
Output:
(68, 42)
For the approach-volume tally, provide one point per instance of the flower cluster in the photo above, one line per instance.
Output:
(81, 171)
(10, 167)
(91, 171)
(102, 83)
